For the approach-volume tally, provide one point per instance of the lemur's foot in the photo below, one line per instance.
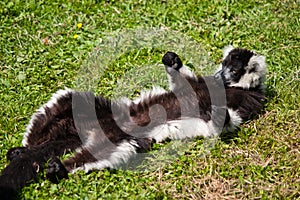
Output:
(15, 152)
(56, 170)
(171, 59)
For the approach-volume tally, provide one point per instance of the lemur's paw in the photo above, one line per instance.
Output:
(56, 171)
(171, 59)
(15, 152)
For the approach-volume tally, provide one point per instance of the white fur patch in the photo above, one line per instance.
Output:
(184, 72)
(219, 68)
(235, 120)
(174, 130)
(256, 78)
(122, 153)
(182, 129)
(124, 100)
(41, 111)
(227, 50)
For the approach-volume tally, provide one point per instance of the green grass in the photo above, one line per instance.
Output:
(40, 53)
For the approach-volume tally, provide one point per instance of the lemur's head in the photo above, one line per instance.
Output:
(242, 68)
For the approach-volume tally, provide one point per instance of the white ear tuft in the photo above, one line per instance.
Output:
(258, 62)
(255, 74)
(227, 50)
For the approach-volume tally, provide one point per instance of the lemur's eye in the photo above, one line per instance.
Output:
(235, 57)
(234, 72)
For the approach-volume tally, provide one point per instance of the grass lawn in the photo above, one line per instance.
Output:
(44, 45)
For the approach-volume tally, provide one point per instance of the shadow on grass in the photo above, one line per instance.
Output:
(230, 137)
(270, 93)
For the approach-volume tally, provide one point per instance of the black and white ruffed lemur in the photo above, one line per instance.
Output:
(104, 133)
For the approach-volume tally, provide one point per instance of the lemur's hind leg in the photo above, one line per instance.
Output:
(98, 156)
(176, 70)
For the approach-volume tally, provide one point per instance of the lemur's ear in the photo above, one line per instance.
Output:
(36, 167)
(257, 63)
(227, 50)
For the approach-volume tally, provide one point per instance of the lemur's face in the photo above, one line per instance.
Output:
(234, 66)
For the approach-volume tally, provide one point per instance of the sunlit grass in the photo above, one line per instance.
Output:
(44, 44)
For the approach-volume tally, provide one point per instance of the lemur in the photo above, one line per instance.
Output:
(105, 133)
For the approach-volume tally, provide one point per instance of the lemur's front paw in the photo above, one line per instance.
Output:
(171, 59)
(15, 152)
(56, 170)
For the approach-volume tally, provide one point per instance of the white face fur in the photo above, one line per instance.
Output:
(242, 68)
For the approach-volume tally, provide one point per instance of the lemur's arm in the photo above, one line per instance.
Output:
(176, 70)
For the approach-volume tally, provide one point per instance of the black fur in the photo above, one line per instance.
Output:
(56, 170)
(171, 59)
